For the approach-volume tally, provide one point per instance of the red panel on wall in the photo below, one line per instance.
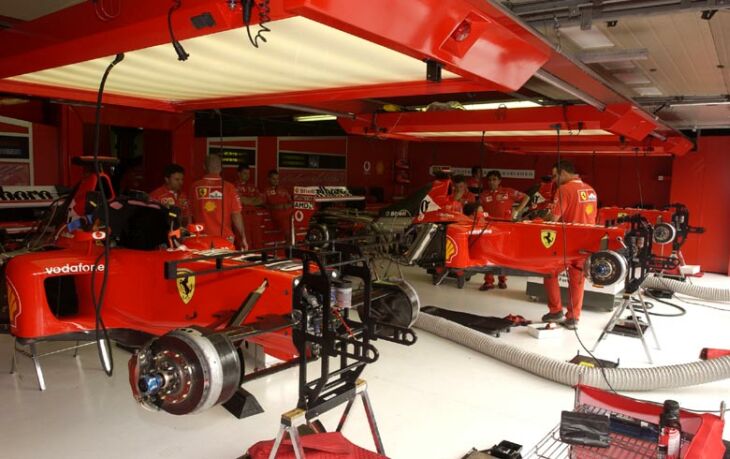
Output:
(314, 145)
(46, 158)
(700, 181)
(370, 163)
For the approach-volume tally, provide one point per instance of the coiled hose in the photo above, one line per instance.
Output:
(697, 291)
(621, 379)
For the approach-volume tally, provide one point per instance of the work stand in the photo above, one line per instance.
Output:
(292, 420)
(628, 302)
(32, 353)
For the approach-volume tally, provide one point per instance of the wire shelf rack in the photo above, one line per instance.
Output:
(622, 446)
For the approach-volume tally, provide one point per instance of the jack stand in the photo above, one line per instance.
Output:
(627, 303)
(32, 353)
(291, 420)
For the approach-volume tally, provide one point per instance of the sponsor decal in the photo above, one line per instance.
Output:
(185, 285)
(466, 171)
(13, 304)
(379, 168)
(74, 269)
(398, 213)
(622, 214)
(488, 198)
(209, 206)
(366, 166)
(590, 209)
(167, 201)
(548, 237)
(303, 205)
(586, 195)
(202, 191)
(217, 194)
(299, 215)
(428, 205)
(322, 191)
(451, 249)
(27, 193)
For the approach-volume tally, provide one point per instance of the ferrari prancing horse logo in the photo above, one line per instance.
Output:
(185, 285)
(547, 237)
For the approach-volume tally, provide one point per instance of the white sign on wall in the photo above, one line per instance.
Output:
(506, 173)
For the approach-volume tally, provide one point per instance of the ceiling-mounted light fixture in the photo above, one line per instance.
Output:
(306, 118)
(497, 105)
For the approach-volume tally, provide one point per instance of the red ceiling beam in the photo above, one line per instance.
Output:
(462, 35)
(78, 34)
(82, 95)
(620, 120)
(411, 88)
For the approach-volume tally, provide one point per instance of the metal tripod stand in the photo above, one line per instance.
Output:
(641, 307)
(291, 420)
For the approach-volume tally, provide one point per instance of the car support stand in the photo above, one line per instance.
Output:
(628, 302)
(291, 420)
(35, 357)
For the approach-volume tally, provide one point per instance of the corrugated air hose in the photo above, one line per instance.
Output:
(697, 291)
(621, 379)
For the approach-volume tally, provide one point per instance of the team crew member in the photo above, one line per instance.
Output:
(171, 193)
(279, 203)
(497, 202)
(574, 202)
(474, 184)
(250, 198)
(462, 195)
(216, 205)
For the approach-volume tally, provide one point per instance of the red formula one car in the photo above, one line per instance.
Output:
(159, 278)
(446, 241)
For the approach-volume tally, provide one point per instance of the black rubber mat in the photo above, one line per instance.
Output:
(493, 326)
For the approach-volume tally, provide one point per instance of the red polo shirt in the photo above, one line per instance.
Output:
(213, 201)
(498, 203)
(575, 202)
(170, 198)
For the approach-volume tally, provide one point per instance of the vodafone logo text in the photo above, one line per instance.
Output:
(73, 269)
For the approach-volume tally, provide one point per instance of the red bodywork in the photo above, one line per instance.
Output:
(534, 246)
(138, 297)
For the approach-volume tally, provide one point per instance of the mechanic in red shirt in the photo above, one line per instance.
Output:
(250, 199)
(216, 205)
(574, 202)
(462, 195)
(279, 203)
(171, 193)
(497, 202)
(474, 183)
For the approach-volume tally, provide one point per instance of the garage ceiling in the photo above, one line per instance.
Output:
(685, 59)
(356, 63)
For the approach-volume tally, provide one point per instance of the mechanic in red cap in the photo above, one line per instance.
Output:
(574, 202)
(497, 202)
(171, 193)
(216, 205)
(250, 199)
(279, 203)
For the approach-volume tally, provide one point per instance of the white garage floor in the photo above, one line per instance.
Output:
(432, 400)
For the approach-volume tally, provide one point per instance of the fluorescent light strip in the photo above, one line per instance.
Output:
(498, 105)
(307, 118)
(547, 132)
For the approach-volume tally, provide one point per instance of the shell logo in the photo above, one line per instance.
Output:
(451, 249)
(13, 304)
